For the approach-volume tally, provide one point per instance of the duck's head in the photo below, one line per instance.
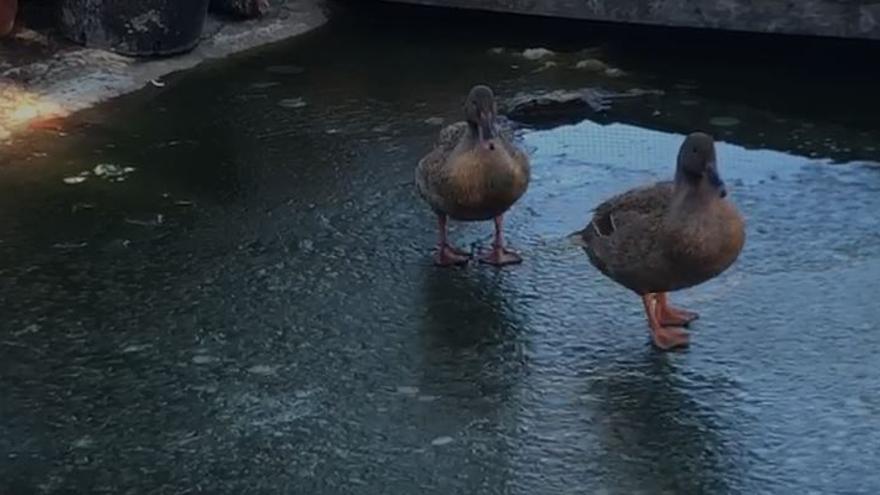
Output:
(697, 167)
(480, 111)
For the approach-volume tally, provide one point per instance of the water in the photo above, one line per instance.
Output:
(253, 308)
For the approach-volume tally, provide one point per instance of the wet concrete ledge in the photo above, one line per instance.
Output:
(62, 78)
(857, 19)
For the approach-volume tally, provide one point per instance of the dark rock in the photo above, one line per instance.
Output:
(554, 107)
(8, 9)
(565, 106)
(247, 9)
(135, 27)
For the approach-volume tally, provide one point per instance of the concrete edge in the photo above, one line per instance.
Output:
(73, 80)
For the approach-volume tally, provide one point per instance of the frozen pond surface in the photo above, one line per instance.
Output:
(245, 302)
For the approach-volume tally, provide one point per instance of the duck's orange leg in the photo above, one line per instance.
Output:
(665, 338)
(447, 255)
(670, 316)
(500, 255)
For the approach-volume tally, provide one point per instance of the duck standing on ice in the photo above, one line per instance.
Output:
(667, 237)
(474, 173)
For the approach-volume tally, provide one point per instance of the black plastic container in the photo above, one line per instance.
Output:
(135, 27)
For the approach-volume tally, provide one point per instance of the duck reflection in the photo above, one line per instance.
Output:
(472, 362)
(656, 437)
(470, 333)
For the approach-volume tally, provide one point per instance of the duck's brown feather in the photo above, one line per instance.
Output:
(466, 182)
(650, 240)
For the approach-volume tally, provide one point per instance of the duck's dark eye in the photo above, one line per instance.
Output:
(694, 149)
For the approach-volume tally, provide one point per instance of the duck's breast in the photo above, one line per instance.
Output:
(706, 245)
(486, 183)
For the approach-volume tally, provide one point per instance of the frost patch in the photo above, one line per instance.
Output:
(441, 441)
(292, 103)
(204, 359)
(112, 172)
(537, 53)
(263, 369)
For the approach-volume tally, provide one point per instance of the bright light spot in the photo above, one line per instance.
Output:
(20, 107)
(25, 111)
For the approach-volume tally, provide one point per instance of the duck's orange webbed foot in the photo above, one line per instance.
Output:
(670, 316)
(669, 338)
(664, 337)
(500, 256)
(447, 255)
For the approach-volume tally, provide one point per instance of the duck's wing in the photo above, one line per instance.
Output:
(625, 208)
(429, 172)
(621, 238)
(446, 142)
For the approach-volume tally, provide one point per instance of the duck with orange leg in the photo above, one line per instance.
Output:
(667, 237)
(474, 173)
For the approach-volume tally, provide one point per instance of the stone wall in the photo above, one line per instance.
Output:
(836, 18)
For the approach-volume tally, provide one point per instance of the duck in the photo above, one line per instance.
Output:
(668, 236)
(474, 173)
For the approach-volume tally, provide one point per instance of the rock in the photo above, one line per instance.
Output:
(554, 106)
(247, 9)
(614, 72)
(565, 106)
(135, 27)
(8, 9)
(592, 65)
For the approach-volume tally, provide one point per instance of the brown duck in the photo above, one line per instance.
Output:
(474, 173)
(668, 237)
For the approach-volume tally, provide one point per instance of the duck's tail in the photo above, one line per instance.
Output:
(579, 238)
